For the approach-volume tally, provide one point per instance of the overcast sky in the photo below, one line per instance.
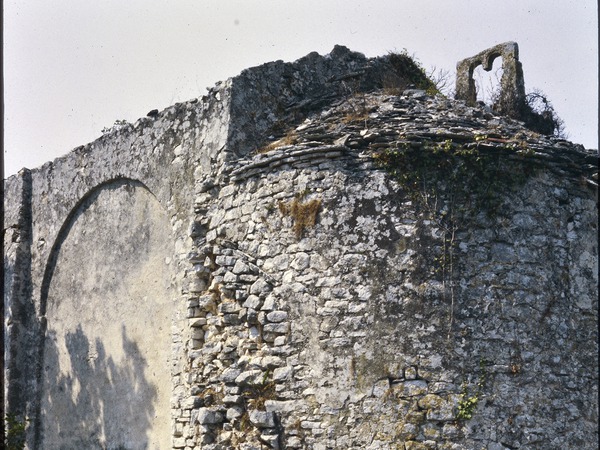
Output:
(73, 67)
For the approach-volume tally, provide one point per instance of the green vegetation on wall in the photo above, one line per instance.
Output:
(15, 429)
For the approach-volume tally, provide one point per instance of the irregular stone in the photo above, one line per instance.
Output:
(381, 388)
(252, 301)
(410, 373)
(241, 267)
(234, 412)
(328, 323)
(272, 440)
(301, 261)
(260, 287)
(230, 277)
(206, 416)
(230, 375)
(270, 362)
(410, 388)
(262, 419)
(277, 316)
(253, 376)
(269, 303)
(278, 328)
(282, 373)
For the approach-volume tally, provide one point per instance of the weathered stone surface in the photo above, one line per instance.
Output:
(207, 416)
(277, 316)
(262, 419)
(250, 377)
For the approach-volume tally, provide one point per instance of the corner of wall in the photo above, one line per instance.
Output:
(20, 321)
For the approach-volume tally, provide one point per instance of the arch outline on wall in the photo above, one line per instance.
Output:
(80, 207)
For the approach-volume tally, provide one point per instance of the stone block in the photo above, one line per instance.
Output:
(253, 302)
(231, 319)
(229, 307)
(279, 341)
(191, 402)
(230, 374)
(260, 287)
(410, 388)
(197, 334)
(206, 416)
(277, 328)
(282, 373)
(253, 376)
(197, 322)
(179, 442)
(232, 399)
(277, 316)
(262, 419)
(285, 406)
(225, 260)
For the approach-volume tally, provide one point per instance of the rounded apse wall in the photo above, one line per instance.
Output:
(355, 315)
(105, 381)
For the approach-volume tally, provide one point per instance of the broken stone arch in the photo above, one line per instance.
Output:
(512, 85)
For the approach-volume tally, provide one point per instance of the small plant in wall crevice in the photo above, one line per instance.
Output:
(303, 213)
(15, 430)
(470, 399)
(256, 394)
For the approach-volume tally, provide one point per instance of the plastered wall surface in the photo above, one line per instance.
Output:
(315, 255)
(108, 340)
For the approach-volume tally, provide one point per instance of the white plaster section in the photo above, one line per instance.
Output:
(106, 381)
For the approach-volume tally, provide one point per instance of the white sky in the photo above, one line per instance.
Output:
(73, 67)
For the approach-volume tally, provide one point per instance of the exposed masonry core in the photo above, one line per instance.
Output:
(323, 254)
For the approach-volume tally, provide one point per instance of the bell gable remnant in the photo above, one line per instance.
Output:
(511, 100)
(317, 254)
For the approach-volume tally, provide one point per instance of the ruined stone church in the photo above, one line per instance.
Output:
(323, 254)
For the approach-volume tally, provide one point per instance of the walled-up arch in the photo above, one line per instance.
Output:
(106, 296)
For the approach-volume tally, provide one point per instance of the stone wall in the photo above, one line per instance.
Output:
(98, 239)
(307, 257)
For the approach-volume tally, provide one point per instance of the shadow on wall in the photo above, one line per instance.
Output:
(98, 402)
(105, 342)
